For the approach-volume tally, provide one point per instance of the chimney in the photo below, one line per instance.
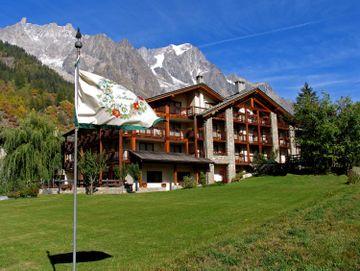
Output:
(239, 85)
(199, 79)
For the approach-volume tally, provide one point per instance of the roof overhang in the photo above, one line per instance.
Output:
(243, 95)
(168, 158)
(212, 93)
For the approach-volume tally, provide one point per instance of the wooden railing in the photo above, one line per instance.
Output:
(252, 119)
(266, 139)
(219, 116)
(282, 124)
(219, 152)
(176, 134)
(219, 135)
(239, 117)
(284, 142)
(241, 159)
(253, 138)
(265, 120)
(150, 133)
(239, 137)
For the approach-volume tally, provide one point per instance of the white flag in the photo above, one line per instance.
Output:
(104, 102)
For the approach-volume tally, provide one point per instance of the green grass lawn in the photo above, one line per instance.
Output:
(184, 229)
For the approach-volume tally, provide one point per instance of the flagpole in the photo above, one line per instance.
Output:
(78, 46)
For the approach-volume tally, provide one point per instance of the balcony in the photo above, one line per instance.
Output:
(252, 119)
(219, 135)
(265, 121)
(239, 117)
(282, 124)
(239, 137)
(253, 138)
(241, 159)
(176, 135)
(151, 133)
(266, 139)
(220, 152)
(284, 142)
(160, 111)
(219, 116)
(194, 110)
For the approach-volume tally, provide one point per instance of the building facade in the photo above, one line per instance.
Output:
(201, 132)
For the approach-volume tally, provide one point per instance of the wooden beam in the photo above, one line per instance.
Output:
(196, 137)
(252, 103)
(247, 135)
(186, 146)
(167, 128)
(133, 141)
(121, 148)
(259, 132)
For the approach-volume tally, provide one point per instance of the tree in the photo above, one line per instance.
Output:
(121, 172)
(135, 172)
(348, 142)
(307, 94)
(329, 132)
(318, 132)
(33, 153)
(91, 164)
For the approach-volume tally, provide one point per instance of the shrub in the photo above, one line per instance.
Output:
(354, 175)
(30, 191)
(238, 177)
(202, 178)
(189, 182)
(14, 194)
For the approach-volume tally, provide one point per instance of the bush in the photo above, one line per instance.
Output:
(202, 178)
(25, 192)
(189, 182)
(354, 175)
(238, 177)
(29, 192)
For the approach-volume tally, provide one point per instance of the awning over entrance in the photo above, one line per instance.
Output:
(163, 157)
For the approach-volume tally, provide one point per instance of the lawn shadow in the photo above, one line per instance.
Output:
(81, 256)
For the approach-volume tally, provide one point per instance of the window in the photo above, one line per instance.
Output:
(175, 148)
(143, 146)
(154, 176)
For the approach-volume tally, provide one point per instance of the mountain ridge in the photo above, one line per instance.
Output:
(146, 71)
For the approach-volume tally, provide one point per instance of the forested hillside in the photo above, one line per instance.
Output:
(26, 85)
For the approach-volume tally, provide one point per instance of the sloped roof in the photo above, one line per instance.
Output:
(150, 156)
(202, 86)
(247, 91)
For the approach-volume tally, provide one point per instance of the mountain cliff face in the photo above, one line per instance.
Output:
(53, 45)
(145, 71)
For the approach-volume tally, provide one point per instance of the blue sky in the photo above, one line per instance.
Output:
(282, 42)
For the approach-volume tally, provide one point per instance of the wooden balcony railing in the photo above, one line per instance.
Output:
(150, 133)
(241, 159)
(194, 110)
(219, 135)
(252, 119)
(239, 117)
(160, 111)
(176, 135)
(282, 124)
(284, 142)
(265, 120)
(253, 138)
(219, 116)
(220, 152)
(239, 137)
(266, 139)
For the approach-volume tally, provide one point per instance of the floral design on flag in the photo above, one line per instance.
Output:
(115, 105)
